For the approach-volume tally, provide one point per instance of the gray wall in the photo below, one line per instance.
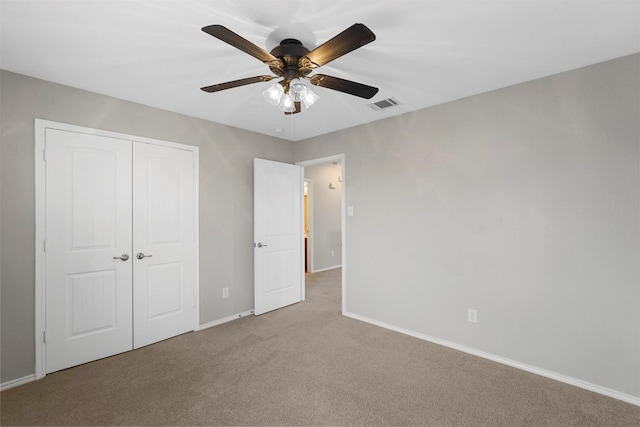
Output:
(523, 203)
(326, 215)
(226, 198)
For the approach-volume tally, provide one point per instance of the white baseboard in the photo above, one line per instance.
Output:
(327, 268)
(17, 382)
(225, 320)
(523, 366)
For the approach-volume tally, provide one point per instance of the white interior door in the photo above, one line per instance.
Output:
(163, 241)
(88, 298)
(277, 235)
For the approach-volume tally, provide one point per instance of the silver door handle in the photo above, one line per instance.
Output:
(261, 245)
(122, 257)
(140, 255)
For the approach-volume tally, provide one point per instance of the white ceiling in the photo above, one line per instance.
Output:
(153, 52)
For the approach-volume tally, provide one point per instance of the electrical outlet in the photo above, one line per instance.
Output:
(225, 292)
(472, 315)
(333, 253)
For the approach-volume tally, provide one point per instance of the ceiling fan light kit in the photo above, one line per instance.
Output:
(285, 98)
(292, 61)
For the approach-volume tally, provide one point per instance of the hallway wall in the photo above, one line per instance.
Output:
(326, 217)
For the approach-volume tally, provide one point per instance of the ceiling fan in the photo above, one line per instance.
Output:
(291, 61)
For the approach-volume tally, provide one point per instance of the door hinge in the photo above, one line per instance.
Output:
(44, 245)
(44, 336)
(44, 155)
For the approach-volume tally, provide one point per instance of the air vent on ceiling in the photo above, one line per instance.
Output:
(385, 103)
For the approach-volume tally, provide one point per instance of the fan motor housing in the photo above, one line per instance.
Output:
(290, 51)
(289, 48)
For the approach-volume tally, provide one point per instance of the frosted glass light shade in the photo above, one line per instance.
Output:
(302, 93)
(297, 91)
(309, 98)
(274, 94)
(286, 104)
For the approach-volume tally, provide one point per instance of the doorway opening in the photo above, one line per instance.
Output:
(324, 216)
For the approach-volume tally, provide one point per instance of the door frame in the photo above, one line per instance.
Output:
(309, 249)
(343, 207)
(40, 128)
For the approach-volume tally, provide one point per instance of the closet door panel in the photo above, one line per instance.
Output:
(88, 291)
(163, 242)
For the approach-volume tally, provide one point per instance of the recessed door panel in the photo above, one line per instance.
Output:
(92, 303)
(279, 271)
(167, 292)
(164, 183)
(93, 224)
(278, 193)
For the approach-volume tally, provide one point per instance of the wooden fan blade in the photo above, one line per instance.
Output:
(350, 39)
(297, 110)
(228, 36)
(236, 83)
(346, 86)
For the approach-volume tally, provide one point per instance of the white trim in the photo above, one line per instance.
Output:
(326, 269)
(226, 319)
(523, 366)
(310, 218)
(40, 321)
(40, 128)
(47, 124)
(196, 238)
(342, 159)
(17, 382)
(303, 286)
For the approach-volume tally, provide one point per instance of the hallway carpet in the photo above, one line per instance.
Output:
(304, 364)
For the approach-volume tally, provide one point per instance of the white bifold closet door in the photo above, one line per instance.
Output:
(163, 239)
(119, 246)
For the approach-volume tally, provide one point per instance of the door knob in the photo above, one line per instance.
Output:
(261, 245)
(140, 255)
(122, 257)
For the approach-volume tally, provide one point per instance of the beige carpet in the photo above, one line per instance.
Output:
(304, 365)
